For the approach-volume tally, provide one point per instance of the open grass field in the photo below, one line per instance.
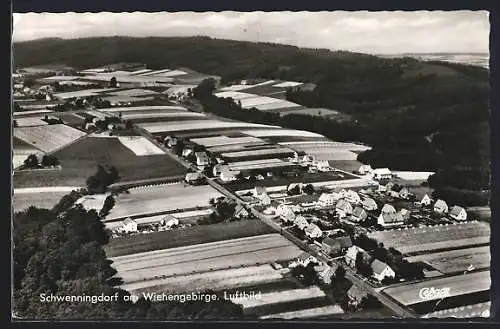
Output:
(46, 200)
(459, 260)
(214, 280)
(204, 257)
(161, 198)
(48, 138)
(413, 240)
(189, 236)
(176, 126)
(459, 285)
(80, 159)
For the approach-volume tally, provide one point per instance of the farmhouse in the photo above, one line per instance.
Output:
(458, 213)
(313, 231)
(304, 259)
(365, 169)
(129, 226)
(325, 273)
(169, 221)
(426, 200)
(351, 254)
(388, 209)
(202, 159)
(327, 199)
(356, 296)
(381, 173)
(343, 208)
(258, 191)
(390, 219)
(187, 151)
(404, 193)
(381, 270)
(229, 175)
(300, 222)
(405, 213)
(440, 207)
(333, 246)
(358, 214)
(352, 197)
(285, 213)
(369, 204)
(194, 178)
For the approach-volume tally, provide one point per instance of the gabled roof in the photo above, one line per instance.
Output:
(382, 171)
(128, 221)
(353, 251)
(392, 218)
(343, 205)
(201, 154)
(440, 203)
(369, 201)
(378, 267)
(312, 227)
(388, 209)
(359, 212)
(356, 292)
(260, 189)
(303, 256)
(455, 210)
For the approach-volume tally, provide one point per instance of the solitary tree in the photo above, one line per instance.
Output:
(31, 161)
(113, 83)
(308, 189)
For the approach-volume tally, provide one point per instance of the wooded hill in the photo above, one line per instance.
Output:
(416, 115)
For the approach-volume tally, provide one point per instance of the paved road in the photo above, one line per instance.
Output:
(350, 273)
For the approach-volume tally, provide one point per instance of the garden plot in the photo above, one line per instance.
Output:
(288, 84)
(307, 313)
(243, 87)
(213, 280)
(140, 145)
(279, 105)
(266, 103)
(48, 138)
(143, 109)
(280, 132)
(151, 200)
(416, 240)
(163, 127)
(70, 118)
(225, 140)
(30, 122)
(139, 243)
(459, 260)
(47, 200)
(205, 257)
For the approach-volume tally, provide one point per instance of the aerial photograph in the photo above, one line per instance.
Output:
(237, 166)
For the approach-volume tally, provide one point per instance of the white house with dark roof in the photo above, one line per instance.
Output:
(458, 213)
(381, 173)
(381, 270)
(343, 208)
(369, 204)
(202, 159)
(358, 214)
(440, 207)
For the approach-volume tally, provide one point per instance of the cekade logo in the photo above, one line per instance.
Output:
(433, 293)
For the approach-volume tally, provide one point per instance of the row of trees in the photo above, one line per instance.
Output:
(48, 160)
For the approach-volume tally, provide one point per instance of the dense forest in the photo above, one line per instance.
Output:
(59, 252)
(416, 115)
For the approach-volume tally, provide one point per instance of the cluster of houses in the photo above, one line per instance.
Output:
(130, 226)
(377, 174)
(311, 162)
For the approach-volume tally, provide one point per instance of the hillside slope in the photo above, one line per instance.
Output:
(416, 115)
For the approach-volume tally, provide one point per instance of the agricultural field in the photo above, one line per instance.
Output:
(95, 201)
(21, 150)
(161, 198)
(48, 138)
(408, 294)
(259, 164)
(79, 162)
(81, 93)
(32, 113)
(225, 141)
(204, 257)
(462, 312)
(30, 122)
(416, 240)
(458, 260)
(241, 147)
(140, 145)
(134, 92)
(128, 245)
(214, 280)
(165, 127)
(259, 154)
(160, 116)
(143, 109)
(70, 118)
(280, 132)
(22, 201)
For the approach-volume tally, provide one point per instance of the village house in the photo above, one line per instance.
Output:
(202, 159)
(358, 215)
(404, 193)
(187, 151)
(324, 273)
(390, 219)
(327, 199)
(229, 175)
(219, 168)
(355, 297)
(129, 226)
(322, 165)
(365, 169)
(382, 188)
(333, 246)
(285, 213)
(369, 204)
(381, 173)
(426, 200)
(300, 222)
(351, 254)
(381, 270)
(388, 209)
(343, 208)
(313, 231)
(440, 207)
(352, 197)
(170, 141)
(169, 221)
(264, 199)
(405, 213)
(393, 193)
(258, 191)
(304, 259)
(342, 194)
(194, 178)
(458, 213)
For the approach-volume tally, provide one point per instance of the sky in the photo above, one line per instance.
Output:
(362, 31)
